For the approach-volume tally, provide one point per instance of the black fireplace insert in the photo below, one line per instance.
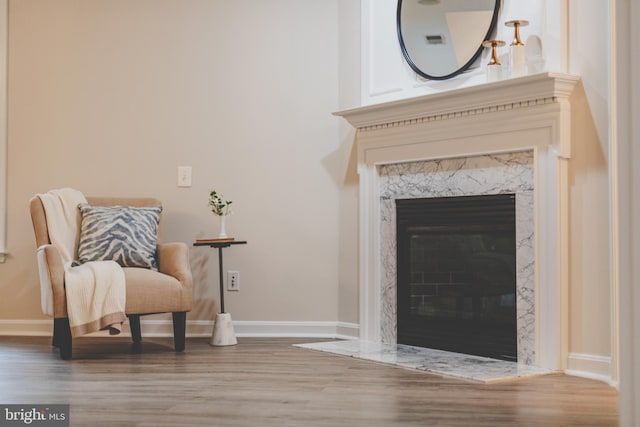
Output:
(457, 274)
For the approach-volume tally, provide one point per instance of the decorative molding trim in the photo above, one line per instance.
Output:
(590, 366)
(201, 328)
(459, 114)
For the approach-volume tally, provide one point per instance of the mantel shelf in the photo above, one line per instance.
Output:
(534, 88)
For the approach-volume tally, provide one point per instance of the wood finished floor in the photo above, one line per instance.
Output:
(267, 382)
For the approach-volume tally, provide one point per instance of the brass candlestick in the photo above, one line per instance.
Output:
(494, 55)
(516, 24)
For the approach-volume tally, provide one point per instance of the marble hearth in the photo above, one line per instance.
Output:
(511, 136)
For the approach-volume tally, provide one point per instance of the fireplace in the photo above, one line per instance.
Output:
(456, 278)
(506, 137)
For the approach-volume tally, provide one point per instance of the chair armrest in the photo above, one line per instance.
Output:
(51, 273)
(173, 260)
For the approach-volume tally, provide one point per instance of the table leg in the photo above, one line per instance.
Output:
(221, 279)
(223, 333)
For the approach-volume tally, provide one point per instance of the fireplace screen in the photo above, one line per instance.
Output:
(457, 274)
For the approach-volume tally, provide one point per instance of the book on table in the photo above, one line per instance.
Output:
(216, 240)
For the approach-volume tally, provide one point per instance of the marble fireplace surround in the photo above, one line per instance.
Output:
(507, 136)
(505, 173)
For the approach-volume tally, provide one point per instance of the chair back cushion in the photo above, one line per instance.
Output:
(140, 202)
(124, 234)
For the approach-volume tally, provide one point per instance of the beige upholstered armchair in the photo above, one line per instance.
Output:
(147, 291)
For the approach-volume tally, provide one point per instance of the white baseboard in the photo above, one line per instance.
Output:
(27, 328)
(590, 366)
(347, 331)
(296, 329)
(202, 328)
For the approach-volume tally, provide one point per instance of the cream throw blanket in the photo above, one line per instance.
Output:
(96, 292)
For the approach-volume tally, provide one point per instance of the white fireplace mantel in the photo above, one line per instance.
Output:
(530, 113)
(522, 89)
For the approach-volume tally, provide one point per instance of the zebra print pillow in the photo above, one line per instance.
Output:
(127, 235)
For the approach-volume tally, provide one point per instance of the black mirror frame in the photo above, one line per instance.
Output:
(417, 70)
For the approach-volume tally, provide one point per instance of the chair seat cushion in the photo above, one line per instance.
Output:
(150, 291)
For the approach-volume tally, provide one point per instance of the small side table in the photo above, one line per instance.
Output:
(223, 333)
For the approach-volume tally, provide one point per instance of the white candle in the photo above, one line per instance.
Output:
(518, 62)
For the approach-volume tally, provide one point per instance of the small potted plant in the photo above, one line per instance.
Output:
(221, 208)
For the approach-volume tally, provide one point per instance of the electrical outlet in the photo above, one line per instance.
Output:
(184, 176)
(233, 280)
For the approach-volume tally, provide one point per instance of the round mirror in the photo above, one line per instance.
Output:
(442, 38)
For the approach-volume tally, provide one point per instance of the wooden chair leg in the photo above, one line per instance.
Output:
(179, 330)
(134, 325)
(62, 337)
(56, 333)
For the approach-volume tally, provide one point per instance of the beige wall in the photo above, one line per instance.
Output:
(349, 96)
(110, 96)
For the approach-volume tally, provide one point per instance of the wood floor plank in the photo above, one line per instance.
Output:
(267, 382)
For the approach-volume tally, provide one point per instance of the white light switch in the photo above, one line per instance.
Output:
(184, 176)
